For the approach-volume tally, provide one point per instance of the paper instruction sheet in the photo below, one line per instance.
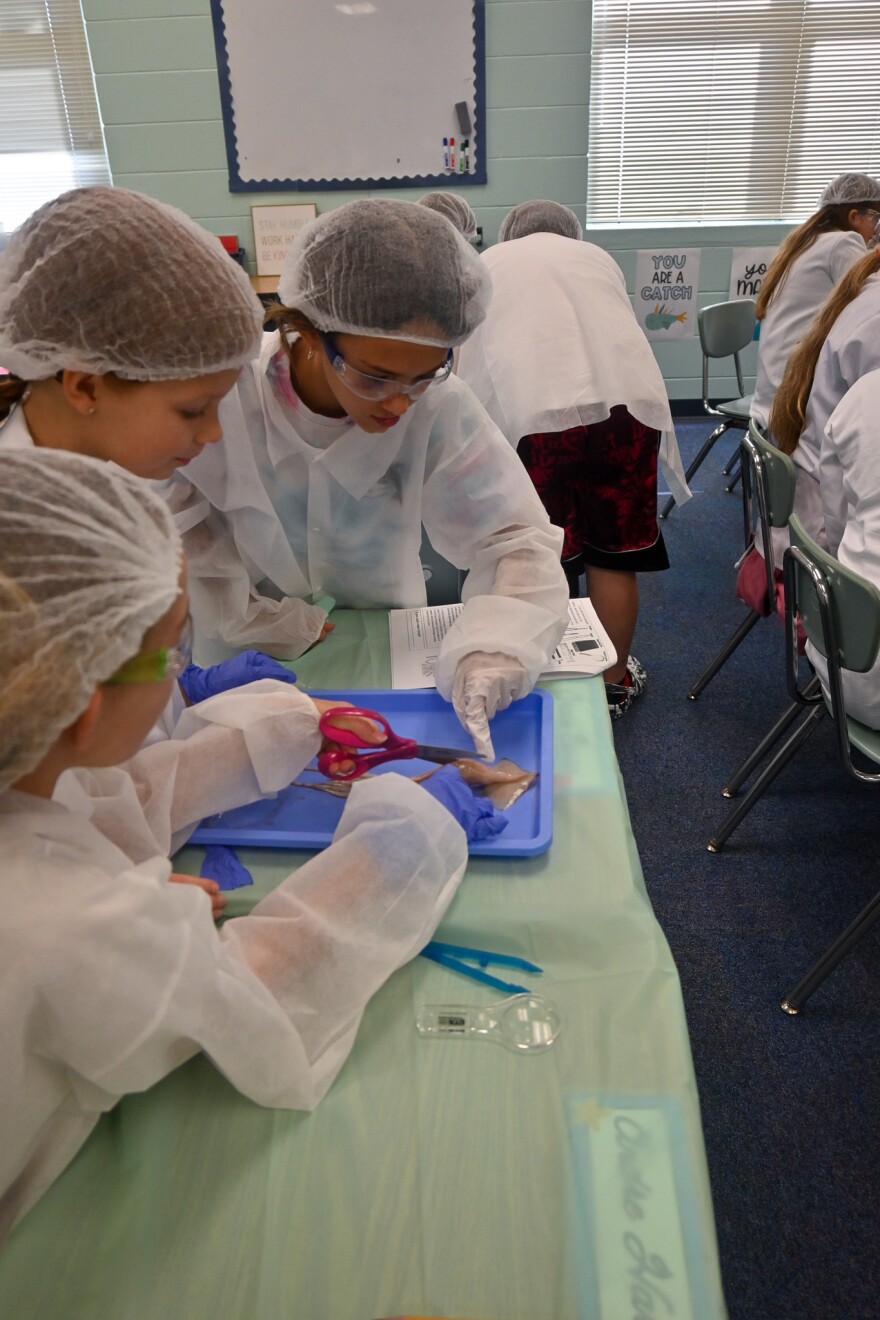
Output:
(416, 635)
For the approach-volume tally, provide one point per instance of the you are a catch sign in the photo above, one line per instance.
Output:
(666, 288)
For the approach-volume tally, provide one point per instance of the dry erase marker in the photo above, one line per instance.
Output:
(452, 153)
(446, 153)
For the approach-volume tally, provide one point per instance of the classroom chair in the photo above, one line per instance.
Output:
(770, 474)
(840, 613)
(725, 329)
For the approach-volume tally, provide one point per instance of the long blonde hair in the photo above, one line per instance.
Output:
(825, 221)
(789, 412)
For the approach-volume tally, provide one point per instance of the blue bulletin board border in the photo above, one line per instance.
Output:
(444, 180)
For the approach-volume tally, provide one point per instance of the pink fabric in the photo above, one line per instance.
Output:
(751, 589)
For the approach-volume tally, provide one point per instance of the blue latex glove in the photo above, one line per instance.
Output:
(476, 815)
(200, 683)
(223, 865)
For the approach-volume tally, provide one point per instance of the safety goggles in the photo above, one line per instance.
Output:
(156, 666)
(366, 386)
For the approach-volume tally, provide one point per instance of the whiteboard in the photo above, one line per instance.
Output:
(323, 94)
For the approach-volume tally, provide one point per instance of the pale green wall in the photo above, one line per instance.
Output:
(156, 75)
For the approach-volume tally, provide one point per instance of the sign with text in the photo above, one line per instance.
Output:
(748, 266)
(275, 228)
(666, 290)
(641, 1250)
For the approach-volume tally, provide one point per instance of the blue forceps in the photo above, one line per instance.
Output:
(451, 955)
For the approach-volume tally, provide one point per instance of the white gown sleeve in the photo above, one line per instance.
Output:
(482, 513)
(844, 254)
(225, 604)
(276, 997)
(228, 750)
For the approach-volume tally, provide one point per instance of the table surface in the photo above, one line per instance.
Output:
(437, 1178)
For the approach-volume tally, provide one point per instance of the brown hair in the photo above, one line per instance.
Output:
(826, 220)
(789, 412)
(12, 391)
(289, 321)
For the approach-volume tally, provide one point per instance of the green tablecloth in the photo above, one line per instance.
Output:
(437, 1178)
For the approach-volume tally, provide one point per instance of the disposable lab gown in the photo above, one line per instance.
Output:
(849, 476)
(851, 350)
(808, 282)
(292, 505)
(111, 977)
(560, 346)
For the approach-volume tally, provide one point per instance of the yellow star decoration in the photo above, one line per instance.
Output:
(590, 1112)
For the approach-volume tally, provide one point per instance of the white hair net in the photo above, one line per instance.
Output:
(389, 269)
(540, 217)
(852, 189)
(89, 560)
(455, 209)
(106, 280)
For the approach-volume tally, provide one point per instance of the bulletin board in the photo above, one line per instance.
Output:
(322, 95)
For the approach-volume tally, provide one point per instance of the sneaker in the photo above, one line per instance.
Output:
(621, 695)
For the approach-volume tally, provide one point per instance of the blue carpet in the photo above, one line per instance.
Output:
(786, 1102)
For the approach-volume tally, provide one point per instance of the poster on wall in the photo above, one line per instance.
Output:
(665, 298)
(748, 266)
(275, 228)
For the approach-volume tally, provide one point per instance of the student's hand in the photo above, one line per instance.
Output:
(364, 728)
(476, 815)
(484, 683)
(197, 683)
(211, 888)
(325, 631)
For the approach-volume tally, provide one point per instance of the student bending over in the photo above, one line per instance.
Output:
(110, 977)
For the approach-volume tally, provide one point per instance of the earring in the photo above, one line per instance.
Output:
(91, 411)
(310, 355)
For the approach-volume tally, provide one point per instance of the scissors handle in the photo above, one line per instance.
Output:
(392, 748)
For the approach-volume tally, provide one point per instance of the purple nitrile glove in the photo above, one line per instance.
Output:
(200, 683)
(476, 815)
(224, 865)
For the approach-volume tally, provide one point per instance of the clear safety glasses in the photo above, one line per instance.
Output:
(156, 666)
(366, 386)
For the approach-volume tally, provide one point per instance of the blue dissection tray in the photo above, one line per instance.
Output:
(303, 818)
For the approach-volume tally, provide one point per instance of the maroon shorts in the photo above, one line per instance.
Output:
(599, 484)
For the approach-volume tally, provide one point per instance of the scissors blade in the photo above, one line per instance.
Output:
(441, 755)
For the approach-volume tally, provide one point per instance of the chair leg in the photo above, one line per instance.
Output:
(731, 464)
(734, 482)
(724, 654)
(794, 1002)
(716, 435)
(739, 777)
(765, 779)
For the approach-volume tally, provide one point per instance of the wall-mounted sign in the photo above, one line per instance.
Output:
(275, 228)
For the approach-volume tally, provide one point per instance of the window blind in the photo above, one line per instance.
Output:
(718, 111)
(51, 137)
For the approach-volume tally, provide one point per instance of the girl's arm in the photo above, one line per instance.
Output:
(482, 513)
(276, 998)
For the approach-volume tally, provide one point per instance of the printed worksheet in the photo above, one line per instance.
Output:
(416, 635)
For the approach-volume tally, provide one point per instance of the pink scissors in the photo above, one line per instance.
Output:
(392, 748)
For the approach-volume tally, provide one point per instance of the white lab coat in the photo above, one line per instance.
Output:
(561, 346)
(289, 505)
(110, 977)
(809, 281)
(851, 350)
(849, 476)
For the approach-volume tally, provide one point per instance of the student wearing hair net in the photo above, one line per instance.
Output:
(455, 209)
(109, 976)
(562, 366)
(800, 280)
(348, 434)
(123, 324)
